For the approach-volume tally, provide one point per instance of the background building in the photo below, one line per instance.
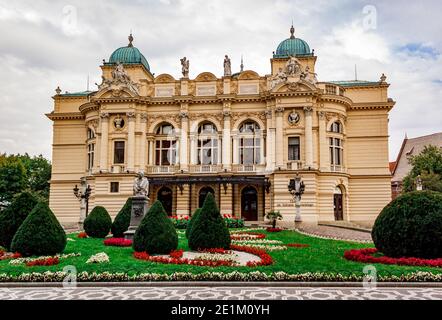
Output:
(241, 136)
(410, 147)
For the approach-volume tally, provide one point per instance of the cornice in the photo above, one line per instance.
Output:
(65, 116)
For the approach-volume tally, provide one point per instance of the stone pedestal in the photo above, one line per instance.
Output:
(140, 206)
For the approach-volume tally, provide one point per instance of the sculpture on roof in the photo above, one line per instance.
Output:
(120, 79)
(185, 67)
(227, 66)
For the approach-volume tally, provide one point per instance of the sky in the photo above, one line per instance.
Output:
(45, 44)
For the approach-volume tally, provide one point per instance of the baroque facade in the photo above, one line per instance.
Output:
(241, 136)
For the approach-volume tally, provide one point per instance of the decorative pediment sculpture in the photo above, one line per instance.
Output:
(120, 79)
(292, 75)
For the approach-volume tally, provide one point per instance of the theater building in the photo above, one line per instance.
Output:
(241, 136)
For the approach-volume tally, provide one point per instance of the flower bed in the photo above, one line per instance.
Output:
(43, 262)
(266, 259)
(297, 245)
(27, 261)
(117, 242)
(247, 236)
(270, 229)
(366, 256)
(82, 235)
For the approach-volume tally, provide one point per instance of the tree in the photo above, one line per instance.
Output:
(273, 216)
(40, 234)
(12, 177)
(427, 165)
(98, 223)
(122, 220)
(209, 229)
(156, 233)
(13, 216)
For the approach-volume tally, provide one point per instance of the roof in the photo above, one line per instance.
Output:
(77, 94)
(412, 147)
(355, 83)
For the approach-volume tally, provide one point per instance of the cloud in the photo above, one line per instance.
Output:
(51, 43)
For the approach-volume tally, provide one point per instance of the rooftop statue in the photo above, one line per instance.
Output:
(185, 67)
(227, 66)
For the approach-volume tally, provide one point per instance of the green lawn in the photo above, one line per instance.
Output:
(325, 256)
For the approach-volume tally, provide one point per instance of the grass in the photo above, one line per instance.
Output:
(322, 255)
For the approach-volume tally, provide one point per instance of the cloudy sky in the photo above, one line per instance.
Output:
(44, 44)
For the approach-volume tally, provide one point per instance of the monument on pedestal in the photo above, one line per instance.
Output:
(140, 204)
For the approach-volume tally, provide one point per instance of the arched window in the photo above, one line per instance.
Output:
(249, 143)
(207, 144)
(336, 127)
(90, 148)
(165, 145)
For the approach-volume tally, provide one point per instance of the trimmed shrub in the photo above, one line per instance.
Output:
(98, 223)
(122, 220)
(156, 233)
(209, 230)
(410, 226)
(192, 221)
(40, 234)
(13, 216)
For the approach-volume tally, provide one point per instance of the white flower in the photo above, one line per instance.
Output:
(98, 258)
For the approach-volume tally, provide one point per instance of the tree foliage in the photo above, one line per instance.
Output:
(427, 165)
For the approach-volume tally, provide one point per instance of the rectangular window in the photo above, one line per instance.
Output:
(114, 187)
(294, 149)
(119, 152)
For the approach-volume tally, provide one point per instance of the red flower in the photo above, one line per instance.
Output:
(366, 256)
(117, 242)
(297, 245)
(43, 262)
(82, 235)
(270, 229)
(176, 254)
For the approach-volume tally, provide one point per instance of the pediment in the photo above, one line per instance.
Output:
(206, 76)
(164, 78)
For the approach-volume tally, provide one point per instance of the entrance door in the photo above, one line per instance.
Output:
(249, 204)
(339, 211)
(165, 196)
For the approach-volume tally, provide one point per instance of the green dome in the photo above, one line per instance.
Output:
(292, 47)
(129, 55)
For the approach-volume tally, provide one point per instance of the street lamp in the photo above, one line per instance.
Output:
(83, 195)
(296, 188)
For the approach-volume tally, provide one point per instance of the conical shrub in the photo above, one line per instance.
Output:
(40, 234)
(209, 229)
(156, 233)
(122, 220)
(98, 223)
(191, 222)
(13, 216)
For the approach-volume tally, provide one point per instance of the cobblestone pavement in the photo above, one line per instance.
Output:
(220, 293)
(335, 232)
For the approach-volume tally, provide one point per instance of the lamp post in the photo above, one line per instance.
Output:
(296, 188)
(83, 195)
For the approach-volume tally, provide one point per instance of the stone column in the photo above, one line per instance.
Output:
(308, 137)
(104, 144)
(143, 120)
(324, 162)
(193, 148)
(279, 137)
(184, 162)
(226, 152)
(270, 142)
(235, 148)
(130, 141)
